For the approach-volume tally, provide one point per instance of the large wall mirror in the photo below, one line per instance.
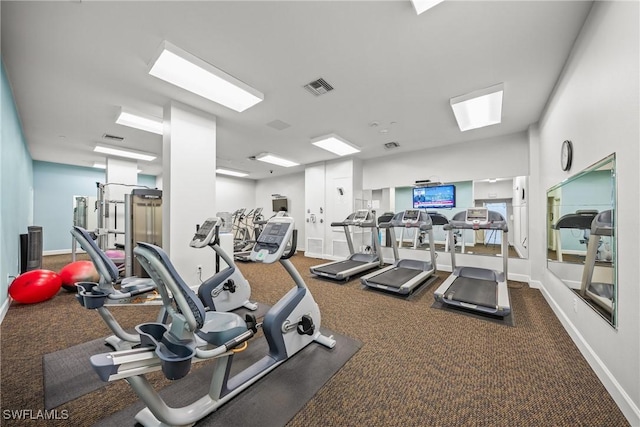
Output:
(505, 195)
(581, 238)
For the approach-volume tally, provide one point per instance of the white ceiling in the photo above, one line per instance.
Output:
(72, 65)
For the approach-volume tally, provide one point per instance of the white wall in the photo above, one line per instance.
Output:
(596, 105)
(189, 191)
(484, 190)
(291, 186)
(492, 158)
(236, 193)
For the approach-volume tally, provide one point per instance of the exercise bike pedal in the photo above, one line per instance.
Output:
(306, 326)
(229, 286)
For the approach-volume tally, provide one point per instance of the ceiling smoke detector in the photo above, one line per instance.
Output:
(318, 87)
(391, 145)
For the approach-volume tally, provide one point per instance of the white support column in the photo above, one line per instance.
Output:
(119, 171)
(189, 187)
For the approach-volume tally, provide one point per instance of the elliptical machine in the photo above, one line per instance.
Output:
(289, 326)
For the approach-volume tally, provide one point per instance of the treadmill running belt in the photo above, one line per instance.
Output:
(339, 267)
(395, 277)
(473, 291)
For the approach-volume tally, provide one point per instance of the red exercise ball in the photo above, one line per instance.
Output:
(35, 286)
(78, 271)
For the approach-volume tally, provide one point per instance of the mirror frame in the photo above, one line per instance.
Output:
(612, 319)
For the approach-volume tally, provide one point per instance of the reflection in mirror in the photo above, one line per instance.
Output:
(507, 196)
(581, 246)
(80, 211)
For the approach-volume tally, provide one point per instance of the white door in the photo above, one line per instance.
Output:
(314, 211)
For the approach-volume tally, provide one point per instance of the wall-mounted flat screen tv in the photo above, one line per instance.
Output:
(434, 197)
(280, 205)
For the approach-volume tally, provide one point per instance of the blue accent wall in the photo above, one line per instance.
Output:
(55, 187)
(147, 181)
(598, 188)
(16, 186)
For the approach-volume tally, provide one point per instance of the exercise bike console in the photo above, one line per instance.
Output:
(272, 241)
(205, 234)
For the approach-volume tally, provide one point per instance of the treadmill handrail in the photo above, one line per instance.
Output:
(580, 219)
(602, 224)
(462, 225)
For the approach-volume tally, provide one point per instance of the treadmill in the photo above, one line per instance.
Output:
(472, 288)
(580, 220)
(357, 262)
(405, 275)
(602, 291)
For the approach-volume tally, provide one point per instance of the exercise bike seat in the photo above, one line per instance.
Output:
(220, 327)
(213, 327)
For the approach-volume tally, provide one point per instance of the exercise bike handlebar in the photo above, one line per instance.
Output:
(294, 246)
(224, 348)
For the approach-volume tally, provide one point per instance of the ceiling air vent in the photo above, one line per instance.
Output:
(318, 87)
(110, 137)
(278, 125)
(391, 145)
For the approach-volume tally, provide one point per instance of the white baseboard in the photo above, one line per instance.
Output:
(535, 284)
(574, 252)
(5, 308)
(313, 255)
(626, 404)
(519, 277)
(61, 252)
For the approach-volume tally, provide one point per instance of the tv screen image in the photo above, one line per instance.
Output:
(435, 197)
(280, 205)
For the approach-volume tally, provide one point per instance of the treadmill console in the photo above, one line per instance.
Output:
(477, 216)
(205, 233)
(360, 216)
(410, 217)
(272, 241)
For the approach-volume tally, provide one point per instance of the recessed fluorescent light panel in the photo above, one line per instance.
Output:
(479, 108)
(103, 166)
(124, 153)
(230, 172)
(140, 121)
(191, 73)
(424, 5)
(275, 160)
(335, 144)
